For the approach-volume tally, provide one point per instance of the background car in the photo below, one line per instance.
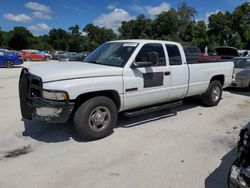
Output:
(194, 55)
(71, 56)
(226, 52)
(242, 71)
(30, 55)
(84, 55)
(57, 54)
(48, 57)
(17, 52)
(9, 59)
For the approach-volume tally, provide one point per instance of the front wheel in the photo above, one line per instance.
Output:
(95, 118)
(9, 64)
(213, 94)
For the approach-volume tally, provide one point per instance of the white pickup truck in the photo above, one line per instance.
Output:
(130, 76)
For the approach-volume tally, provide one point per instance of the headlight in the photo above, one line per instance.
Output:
(55, 95)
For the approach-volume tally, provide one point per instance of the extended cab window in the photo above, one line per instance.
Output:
(1, 54)
(143, 55)
(174, 54)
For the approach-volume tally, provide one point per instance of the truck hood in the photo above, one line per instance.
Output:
(50, 72)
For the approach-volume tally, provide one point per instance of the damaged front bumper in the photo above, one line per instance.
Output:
(51, 111)
(34, 106)
(239, 177)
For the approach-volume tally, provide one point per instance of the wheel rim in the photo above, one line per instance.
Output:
(9, 64)
(216, 93)
(99, 118)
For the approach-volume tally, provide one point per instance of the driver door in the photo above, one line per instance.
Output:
(146, 85)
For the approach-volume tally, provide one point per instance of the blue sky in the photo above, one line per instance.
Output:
(40, 16)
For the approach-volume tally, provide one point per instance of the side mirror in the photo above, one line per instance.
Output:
(153, 57)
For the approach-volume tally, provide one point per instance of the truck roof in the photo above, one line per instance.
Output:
(146, 41)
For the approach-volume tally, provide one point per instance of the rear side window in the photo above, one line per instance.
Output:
(1, 54)
(147, 48)
(192, 55)
(174, 54)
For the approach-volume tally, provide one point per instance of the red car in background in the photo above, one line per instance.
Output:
(30, 55)
(194, 55)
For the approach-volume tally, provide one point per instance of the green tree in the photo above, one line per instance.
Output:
(200, 36)
(99, 35)
(166, 24)
(186, 15)
(20, 38)
(241, 23)
(41, 43)
(58, 39)
(220, 28)
(75, 39)
(140, 28)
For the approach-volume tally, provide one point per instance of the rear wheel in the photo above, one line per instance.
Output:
(9, 64)
(27, 59)
(213, 94)
(95, 118)
(47, 58)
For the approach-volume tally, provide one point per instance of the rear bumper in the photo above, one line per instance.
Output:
(241, 83)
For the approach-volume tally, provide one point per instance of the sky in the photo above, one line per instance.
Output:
(39, 16)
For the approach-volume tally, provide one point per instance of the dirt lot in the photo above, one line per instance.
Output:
(190, 146)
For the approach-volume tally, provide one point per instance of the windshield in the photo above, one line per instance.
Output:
(112, 54)
(242, 63)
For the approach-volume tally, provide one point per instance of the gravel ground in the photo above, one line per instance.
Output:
(190, 146)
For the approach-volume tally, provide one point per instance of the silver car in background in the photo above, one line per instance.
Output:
(242, 71)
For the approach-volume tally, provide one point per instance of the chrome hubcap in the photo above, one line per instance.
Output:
(9, 64)
(215, 93)
(99, 118)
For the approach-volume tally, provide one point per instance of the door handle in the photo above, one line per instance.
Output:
(167, 73)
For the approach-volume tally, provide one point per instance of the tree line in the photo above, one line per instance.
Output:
(221, 29)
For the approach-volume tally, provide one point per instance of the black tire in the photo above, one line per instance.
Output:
(213, 94)
(248, 88)
(47, 58)
(9, 64)
(28, 59)
(86, 118)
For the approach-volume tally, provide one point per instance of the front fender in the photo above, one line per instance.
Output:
(76, 87)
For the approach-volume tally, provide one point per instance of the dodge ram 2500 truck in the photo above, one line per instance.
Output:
(130, 76)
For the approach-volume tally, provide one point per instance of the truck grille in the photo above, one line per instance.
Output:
(29, 86)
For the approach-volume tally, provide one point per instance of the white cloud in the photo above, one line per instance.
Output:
(42, 27)
(208, 14)
(113, 19)
(41, 15)
(18, 18)
(38, 7)
(153, 11)
(111, 7)
(83, 33)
